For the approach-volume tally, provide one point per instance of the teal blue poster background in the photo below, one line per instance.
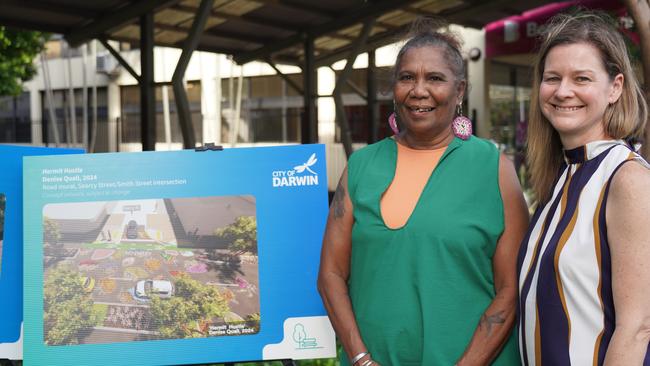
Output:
(11, 279)
(290, 216)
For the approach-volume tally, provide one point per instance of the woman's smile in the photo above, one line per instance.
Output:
(575, 91)
(427, 92)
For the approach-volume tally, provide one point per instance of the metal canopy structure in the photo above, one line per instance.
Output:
(251, 29)
(307, 33)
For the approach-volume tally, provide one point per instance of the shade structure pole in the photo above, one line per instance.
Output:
(147, 91)
(180, 96)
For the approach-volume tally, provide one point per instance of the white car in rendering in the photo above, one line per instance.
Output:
(146, 288)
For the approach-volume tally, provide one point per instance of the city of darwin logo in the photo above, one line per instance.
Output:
(300, 175)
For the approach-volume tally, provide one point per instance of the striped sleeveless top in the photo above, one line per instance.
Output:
(566, 308)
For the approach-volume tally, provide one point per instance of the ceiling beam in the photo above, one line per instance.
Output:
(32, 26)
(344, 37)
(419, 12)
(245, 17)
(179, 44)
(302, 6)
(112, 19)
(215, 33)
(51, 7)
(365, 11)
(263, 21)
(386, 25)
(372, 43)
(288, 60)
(238, 37)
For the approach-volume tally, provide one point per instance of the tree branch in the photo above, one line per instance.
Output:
(640, 12)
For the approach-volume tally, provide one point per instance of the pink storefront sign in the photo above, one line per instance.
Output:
(518, 34)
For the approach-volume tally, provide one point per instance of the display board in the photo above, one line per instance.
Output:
(175, 257)
(11, 243)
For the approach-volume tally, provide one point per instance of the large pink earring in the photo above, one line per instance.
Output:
(461, 125)
(392, 120)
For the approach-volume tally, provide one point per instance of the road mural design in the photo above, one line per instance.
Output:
(135, 270)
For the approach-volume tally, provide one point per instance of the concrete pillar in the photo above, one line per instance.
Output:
(114, 113)
(36, 112)
(326, 108)
(210, 97)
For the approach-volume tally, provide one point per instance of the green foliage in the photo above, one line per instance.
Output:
(255, 317)
(173, 317)
(51, 232)
(319, 362)
(68, 309)
(99, 313)
(17, 52)
(193, 304)
(242, 234)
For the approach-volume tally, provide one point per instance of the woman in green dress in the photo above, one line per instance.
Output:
(419, 253)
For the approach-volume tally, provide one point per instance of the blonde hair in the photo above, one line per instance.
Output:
(624, 119)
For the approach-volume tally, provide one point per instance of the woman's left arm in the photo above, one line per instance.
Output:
(496, 322)
(628, 233)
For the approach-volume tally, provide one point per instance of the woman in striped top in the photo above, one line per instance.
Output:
(584, 265)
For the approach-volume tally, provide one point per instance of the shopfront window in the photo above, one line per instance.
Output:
(510, 88)
(509, 104)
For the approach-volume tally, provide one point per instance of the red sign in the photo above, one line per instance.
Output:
(518, 34)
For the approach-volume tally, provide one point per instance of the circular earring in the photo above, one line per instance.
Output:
(461, 125)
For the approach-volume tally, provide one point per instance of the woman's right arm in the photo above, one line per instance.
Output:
(335, 269)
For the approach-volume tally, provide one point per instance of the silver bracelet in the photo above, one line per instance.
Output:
(356, 358)
(367, 362)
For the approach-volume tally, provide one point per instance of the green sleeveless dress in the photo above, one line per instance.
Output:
(419, 291)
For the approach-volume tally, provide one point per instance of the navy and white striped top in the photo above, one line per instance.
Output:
(566, 309)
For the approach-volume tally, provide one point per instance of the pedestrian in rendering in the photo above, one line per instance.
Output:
(418, 264)
(584, 265)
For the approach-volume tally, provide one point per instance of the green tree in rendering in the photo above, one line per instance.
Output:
(193, 305)
(68, 308)
(17, 52)
(51, 232)
(241, 234)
